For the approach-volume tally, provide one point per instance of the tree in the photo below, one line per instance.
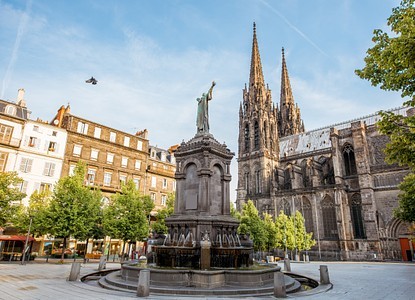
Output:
(9, 195)
(252, 224)
(391, 64)
(270, 231)
(159, 226)
(303, 240)
(37, 211)
(126, 216)
(74, 208)
(285, 232)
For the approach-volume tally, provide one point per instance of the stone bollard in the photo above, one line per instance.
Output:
(102, 263)
(287, 265)
(324, 275)
(143, 288)
(75, 270)
(279, 285)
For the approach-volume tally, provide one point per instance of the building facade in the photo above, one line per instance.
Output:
(335, 176)
(112, 157)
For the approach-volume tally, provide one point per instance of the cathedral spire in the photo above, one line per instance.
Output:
(256, 77)
(286, 92)
(289, 113)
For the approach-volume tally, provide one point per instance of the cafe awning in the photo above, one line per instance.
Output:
(21, 238)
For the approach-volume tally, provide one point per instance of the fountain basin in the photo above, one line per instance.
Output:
(213, 278)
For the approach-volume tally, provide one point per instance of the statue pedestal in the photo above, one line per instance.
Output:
(205, 255)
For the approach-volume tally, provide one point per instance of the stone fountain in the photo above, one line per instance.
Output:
(202, 254)
(202, 234)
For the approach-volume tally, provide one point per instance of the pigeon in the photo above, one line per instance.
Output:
(92, 80)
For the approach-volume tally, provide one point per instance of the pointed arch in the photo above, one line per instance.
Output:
(328, 209)
(284, 205)
(357, 218)
(246, 138)
(306, 211)
(349, 160)
(256, 135)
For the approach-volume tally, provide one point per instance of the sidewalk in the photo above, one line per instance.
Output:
(40, 280)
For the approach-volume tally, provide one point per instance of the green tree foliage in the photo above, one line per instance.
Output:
(235, 213)
(74, 208)
(406, 209)
(270, 231)
(285, 232)
(127, 215)
(390, 63)
(38, 211)
(303, 240)
(159, 225)
(9, 193)
(252, 224)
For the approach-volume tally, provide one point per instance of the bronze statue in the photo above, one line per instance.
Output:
(202, 120)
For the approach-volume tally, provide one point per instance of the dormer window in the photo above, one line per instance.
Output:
(10, 110)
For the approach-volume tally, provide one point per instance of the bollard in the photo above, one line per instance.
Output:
(75, 270)
(324, 275)
(143, 288)
(287, 265)
(102, 263)
(279, 285)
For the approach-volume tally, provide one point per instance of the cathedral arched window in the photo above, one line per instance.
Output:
(357, 218)
(246, 179)
(287, 179)
(265, 135)
(246, 137)
(284, 206)
(306, 174)
(258, 182)
(349, 160)
(307, 213)
(329, 218)
(256, 135)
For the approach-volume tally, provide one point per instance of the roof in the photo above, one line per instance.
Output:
(319, 139)
(21, 238)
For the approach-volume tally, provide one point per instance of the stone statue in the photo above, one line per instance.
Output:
(202, 120)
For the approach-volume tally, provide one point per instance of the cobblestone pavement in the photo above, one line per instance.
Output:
(40, 280)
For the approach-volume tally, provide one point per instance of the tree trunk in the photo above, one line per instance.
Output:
(86, 249)
(63, 249)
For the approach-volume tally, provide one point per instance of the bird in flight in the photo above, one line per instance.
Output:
(92, 80)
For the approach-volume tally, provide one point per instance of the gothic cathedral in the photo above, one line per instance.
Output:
(336, 176)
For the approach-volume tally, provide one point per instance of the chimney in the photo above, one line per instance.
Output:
(20, 98)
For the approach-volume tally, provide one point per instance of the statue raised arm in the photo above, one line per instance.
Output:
(202, 120)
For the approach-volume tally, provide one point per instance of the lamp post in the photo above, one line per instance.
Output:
(26, 242)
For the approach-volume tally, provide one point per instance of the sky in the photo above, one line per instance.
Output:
(153, 58)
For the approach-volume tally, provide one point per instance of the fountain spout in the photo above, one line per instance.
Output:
(189, 242)
(167, 240)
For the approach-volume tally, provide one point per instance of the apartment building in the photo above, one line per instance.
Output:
(112, 156)
(160, 175)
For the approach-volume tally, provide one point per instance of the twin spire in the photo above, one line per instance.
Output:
(289, 114)
(256, 78)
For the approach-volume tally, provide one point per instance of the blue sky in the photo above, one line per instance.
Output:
(153, 58)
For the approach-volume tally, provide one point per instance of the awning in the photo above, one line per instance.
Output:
(21, 238)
